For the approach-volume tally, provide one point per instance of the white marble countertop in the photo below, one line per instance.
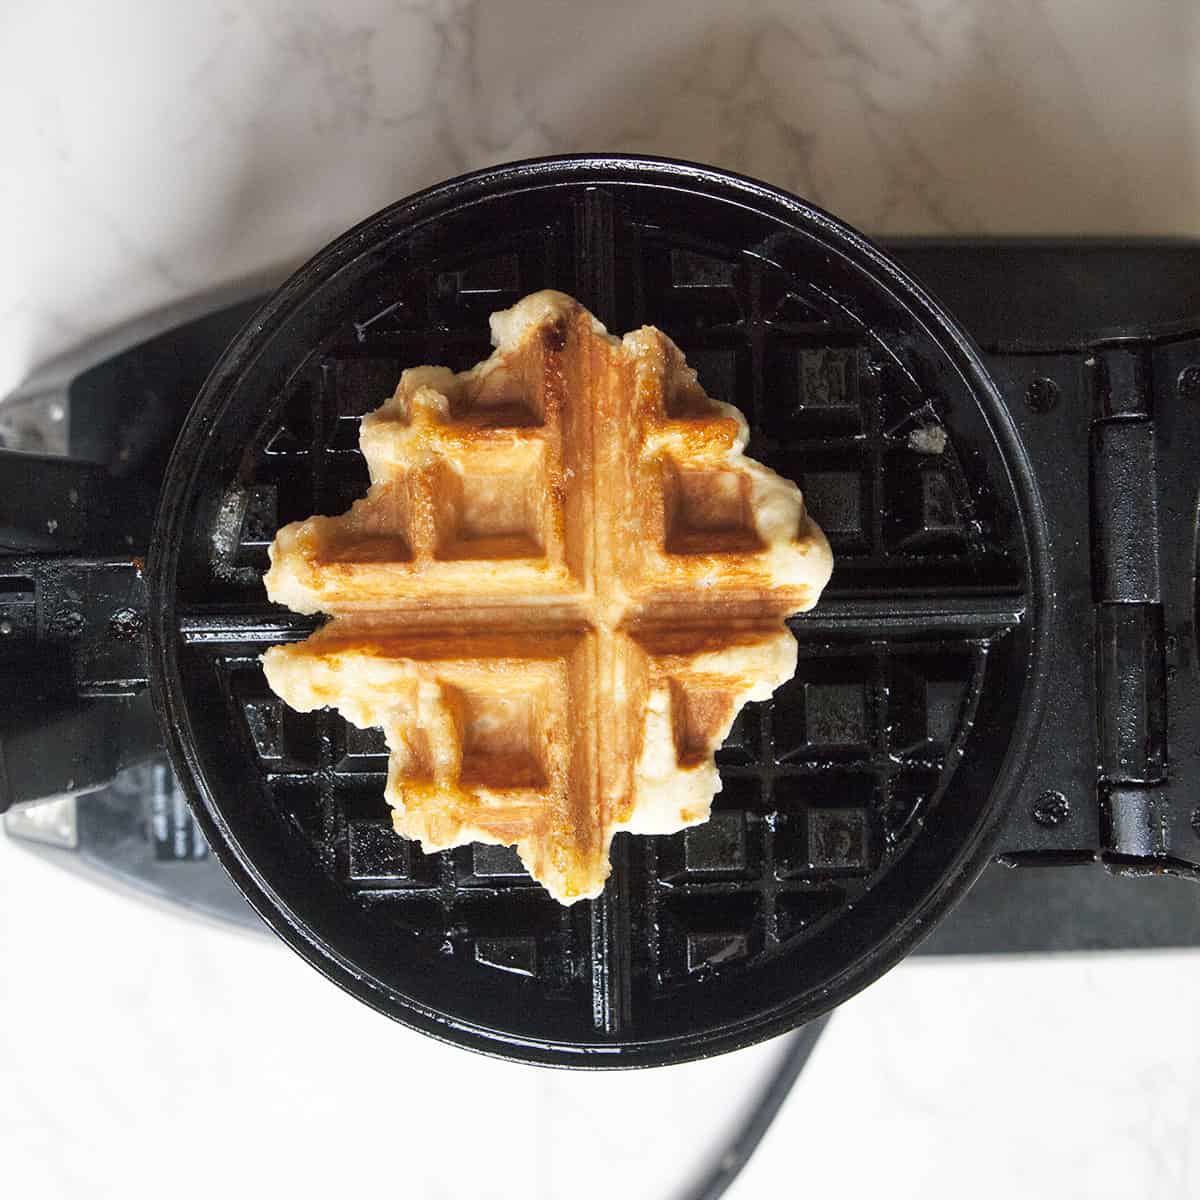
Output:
(155, 151)
(159, 150)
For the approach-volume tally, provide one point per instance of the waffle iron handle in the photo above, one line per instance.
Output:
(73, 705)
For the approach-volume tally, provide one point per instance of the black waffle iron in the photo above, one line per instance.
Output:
(1004, 664)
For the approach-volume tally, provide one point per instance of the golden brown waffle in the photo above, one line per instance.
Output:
(565, 580)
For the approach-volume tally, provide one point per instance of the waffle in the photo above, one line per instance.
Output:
(564, 581)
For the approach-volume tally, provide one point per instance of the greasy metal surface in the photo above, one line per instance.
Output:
(889, 746)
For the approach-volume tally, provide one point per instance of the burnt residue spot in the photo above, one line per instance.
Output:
(1189, 384)
(1042, 395)
(125, 624)
(554, 336)
(67, 624)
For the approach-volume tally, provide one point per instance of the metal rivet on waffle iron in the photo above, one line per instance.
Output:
(6, 627)
(1042, 394)
(1189, 384)
(1051, 809)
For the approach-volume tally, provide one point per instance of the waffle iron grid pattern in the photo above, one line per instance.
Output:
(821, 785)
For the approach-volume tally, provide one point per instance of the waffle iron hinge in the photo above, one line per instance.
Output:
(1112, 432)
(1139, 788)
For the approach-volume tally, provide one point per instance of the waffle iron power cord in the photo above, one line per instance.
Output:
(722, 1173)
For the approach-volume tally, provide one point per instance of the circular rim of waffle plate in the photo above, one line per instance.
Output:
(326, 934)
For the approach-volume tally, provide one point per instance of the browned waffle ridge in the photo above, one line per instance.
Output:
(565, 580)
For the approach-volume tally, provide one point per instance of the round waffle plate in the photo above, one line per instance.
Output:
(857, 804)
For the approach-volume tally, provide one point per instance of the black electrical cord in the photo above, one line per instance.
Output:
(715, 1182)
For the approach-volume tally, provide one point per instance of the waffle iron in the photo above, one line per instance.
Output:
(1004, 664)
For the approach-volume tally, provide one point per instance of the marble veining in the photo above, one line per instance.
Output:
(161, 151)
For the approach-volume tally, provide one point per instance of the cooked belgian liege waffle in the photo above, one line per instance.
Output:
(564, 581)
